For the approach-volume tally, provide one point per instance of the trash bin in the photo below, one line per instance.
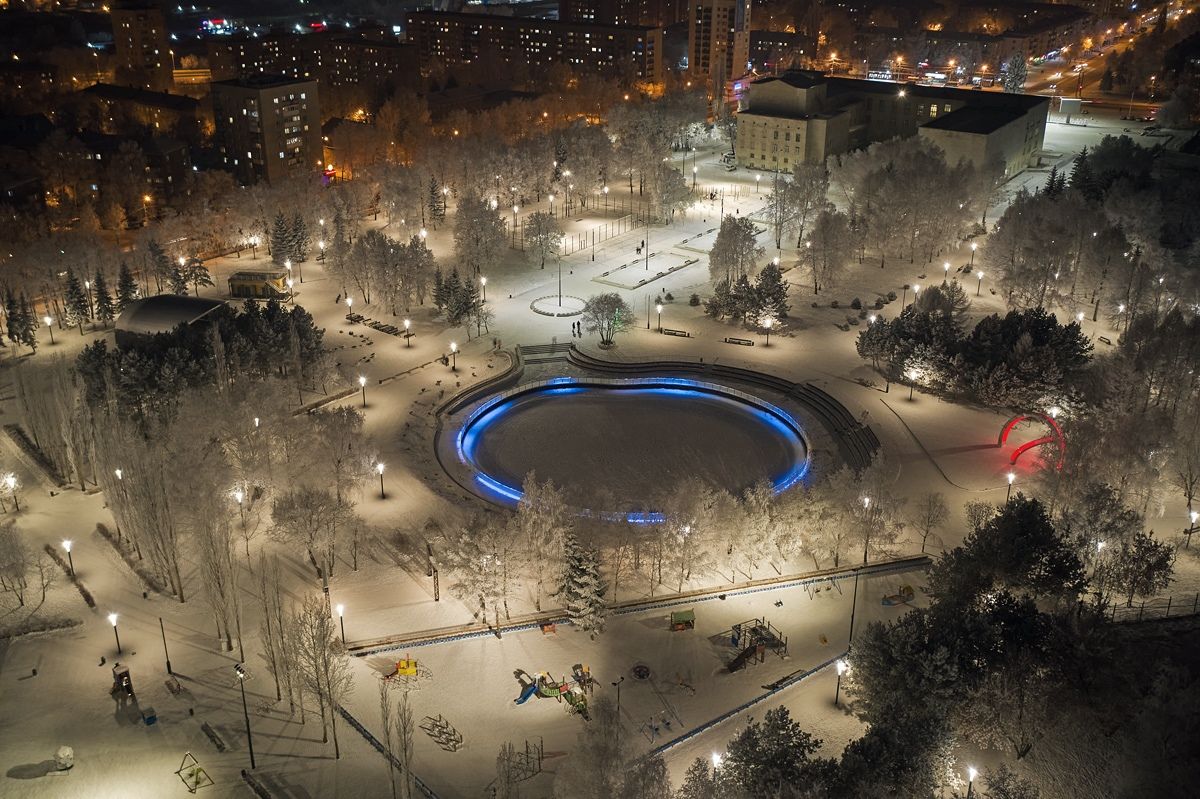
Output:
(149, 716)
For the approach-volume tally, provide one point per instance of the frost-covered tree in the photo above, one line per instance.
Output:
(322, 662)
(479, 234)
(16, 562)
(607, 315)
(543, 238)
(595, 768)
(928, 513)
(1015, 73)
(76, 304)
(195, 273)
(582, 590)
(735, 251)
(542, 522)
(1139, 566)
(105, 310)
(309, 517)
(127, 287)
(771, 294)
(280, 239)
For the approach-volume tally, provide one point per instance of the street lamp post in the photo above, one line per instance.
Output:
(166, 654)
(379, 469)
(49, 326)
(617, 685)
(453, 356)
(658, 307)
(605, 199)
(946, 270)
(842, 668)
(979, 286)
(1011, 479)
(911, 374)
(767, 327)
(67, 546)
(291, 294)
(407, 334)
(362, 384)
(483, 285)
(341, 611)
(757, 183)
(517, 208)
(971, 775)
(695, 169)
(349, 307)
(242, 676)
(974, 247)
(112, 619)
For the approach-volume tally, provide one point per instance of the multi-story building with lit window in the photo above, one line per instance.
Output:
(718, 41)
(805, 117)
(654, 13)
(633, 51)
(293, 55)
(268, 127)
(142, 44)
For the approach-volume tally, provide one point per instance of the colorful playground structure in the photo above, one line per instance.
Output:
(751, 639)
(543, 685)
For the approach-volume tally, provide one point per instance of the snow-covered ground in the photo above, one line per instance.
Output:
(933, 446)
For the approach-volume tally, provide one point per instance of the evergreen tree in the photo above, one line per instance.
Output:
(1083, 178)
(451, 293)
(160, 264)
(1106, 81)
(1015, 73)
(720, 304)
(27, 325)
(439, 290)
(75, 302)
(105, 310)
(772, 290)
(196, 273)
(582, 589)
(12, 316)
(280, 239)
(127, 287)
(178, 282)
(301, 239)
(1051, 187)
(437, 207)
(745, 300)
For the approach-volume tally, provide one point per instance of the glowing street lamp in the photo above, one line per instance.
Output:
(757, 183)
(112, 619)
(972, 773)
(362, 383)
(49, 322)
(453, 356)
(767, 327)
(1011, 479)
(379, 469)
(842, 668)
(605, 190)
(291, 294)
(912, 375)
(979, 286)
(483, 285)
(341, 612)
(695, 169)
(946, 269)
(67, 546)
(407, 334)
(716, 760)
(349, 307)
(243, 675)
(658, 307)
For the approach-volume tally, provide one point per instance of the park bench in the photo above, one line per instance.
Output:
(744, 342)
(671, 332)
(1104, 340)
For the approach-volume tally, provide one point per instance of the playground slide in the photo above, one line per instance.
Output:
(741, 659)
(526, 692)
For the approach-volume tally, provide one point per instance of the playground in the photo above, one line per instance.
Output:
(678, 667)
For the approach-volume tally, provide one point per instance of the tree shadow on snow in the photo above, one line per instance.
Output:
(30, 771)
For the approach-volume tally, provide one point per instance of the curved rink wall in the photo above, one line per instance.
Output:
(627, 439)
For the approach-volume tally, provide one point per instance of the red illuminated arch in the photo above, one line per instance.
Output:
(1055, 436)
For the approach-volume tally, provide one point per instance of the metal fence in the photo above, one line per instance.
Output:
(1157, 608)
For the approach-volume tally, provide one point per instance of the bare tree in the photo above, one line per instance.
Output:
(930, 513)
(309, 517)
(385, 727)
(543, 238)
(15, 563)
(404, 726)
(978, 513)
(322, 662)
